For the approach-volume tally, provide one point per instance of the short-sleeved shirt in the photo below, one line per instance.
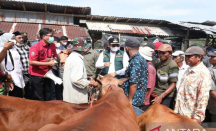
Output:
(137, 73)
(39, 52)
(212, 101)
(167, 73)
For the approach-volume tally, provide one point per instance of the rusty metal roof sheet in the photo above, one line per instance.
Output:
(44, 7)
(125, 20)
(132, 29)
(58, 29)
(6, 26)
(30, 29)
(76, 31)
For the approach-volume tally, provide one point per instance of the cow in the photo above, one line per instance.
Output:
(112, 111)
(17, 114)
(161, 118)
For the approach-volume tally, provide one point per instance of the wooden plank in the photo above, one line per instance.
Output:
(127, 20)
(24, 7)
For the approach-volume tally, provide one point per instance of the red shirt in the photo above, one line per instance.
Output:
(151, 81)
(39, 52)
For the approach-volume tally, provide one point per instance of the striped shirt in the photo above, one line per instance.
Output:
(167, 73)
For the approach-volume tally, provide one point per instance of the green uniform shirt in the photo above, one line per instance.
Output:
(167, 73)
(90, 59)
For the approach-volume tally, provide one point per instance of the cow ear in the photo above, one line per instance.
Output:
(121, 81)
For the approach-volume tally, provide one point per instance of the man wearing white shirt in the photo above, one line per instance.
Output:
(13, 65)
(178, 57)
(113, 61)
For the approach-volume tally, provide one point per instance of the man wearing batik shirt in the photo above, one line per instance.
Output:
(167, 76)
(193, 93)
(137, 73)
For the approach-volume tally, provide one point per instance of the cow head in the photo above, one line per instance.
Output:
(107, 83)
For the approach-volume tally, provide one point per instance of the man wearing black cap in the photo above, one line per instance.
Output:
(113, 61)
(193, 92)
(212, 99)
(137, 73)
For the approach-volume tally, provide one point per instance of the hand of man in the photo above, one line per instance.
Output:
(158, 99)
(9, 78)
(93, 82)
(113, 74)
(9, 85)
(107, 64)
(197, 120)
(52, 63)
(8, 45)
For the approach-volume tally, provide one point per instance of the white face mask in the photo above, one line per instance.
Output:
(114, 48)
(64, 43)
(57, 45)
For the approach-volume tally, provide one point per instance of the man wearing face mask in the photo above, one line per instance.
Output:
(113, 61)
(41, 60)
(24, 55)
(63, 42)
(12, 65)
(75, 75)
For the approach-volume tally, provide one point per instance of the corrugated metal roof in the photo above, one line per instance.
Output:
(207, 29)
(44, 7)
(6, 26)
(58, 29)
(132, 29)
(30, 29)
(125, 19)
(76, 31)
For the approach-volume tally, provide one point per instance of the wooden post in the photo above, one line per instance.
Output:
(186, 41)
(207, 40)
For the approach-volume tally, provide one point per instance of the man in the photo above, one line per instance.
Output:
(27, 43)
(56, 69)
(137, 73)
(41, 60)
(167, 76)
(178, 57)
(206, 58)
(63, 42)
(113, 61)
(155, 59)
(147, 52)
(24, 56)
(5, 77)
(90, 59)
(212, 99)
(193, 93)
(13, 65)
(75, 76)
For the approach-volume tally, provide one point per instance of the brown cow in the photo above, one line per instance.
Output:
(18, 114)
(161, 118)
(112, 112)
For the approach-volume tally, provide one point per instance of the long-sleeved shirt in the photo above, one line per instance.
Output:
(193, 94)
(75, 79)
(100, 63)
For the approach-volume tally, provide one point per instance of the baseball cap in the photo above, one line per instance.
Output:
(165, 47)
(194, 50)
(132, 42)
(177, 53)
(212, 53)
(157, 44)
(114, 41)
(209, 48)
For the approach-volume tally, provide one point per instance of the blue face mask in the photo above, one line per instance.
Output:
(51, 40)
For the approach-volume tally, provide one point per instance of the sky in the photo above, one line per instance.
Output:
(171, 10)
